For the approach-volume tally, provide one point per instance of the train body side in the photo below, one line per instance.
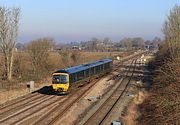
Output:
(82, 72)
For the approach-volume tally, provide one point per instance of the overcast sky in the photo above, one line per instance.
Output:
(76, 20)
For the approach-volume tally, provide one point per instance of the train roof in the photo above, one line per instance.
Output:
(83, 66)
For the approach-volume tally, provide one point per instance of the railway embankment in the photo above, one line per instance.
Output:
(162, 104)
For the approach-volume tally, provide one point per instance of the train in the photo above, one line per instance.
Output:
(62, 79)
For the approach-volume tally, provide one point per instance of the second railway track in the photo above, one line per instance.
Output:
(101, 114)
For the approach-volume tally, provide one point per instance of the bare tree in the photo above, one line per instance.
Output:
(106, 40)
(126, 43)
(171, 31)
(39, 51)
(138, 42)
(165, 93)
(65, 56)
(9, 24)
(76, 57)
(156, 42)
(93, 44)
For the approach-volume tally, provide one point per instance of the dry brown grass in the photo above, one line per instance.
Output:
(133, 112)
(7, 95)
(132, 115)
(20, 89)
(139, 98)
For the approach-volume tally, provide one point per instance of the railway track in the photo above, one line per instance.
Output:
(58, 111)
(20, 99)
(20, 104)
(12, 118)
(101, 114)
(38, 111)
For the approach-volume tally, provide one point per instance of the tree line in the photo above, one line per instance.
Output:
(162, 106)
(106, 44)
(128, 43)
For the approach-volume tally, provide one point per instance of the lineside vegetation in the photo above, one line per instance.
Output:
(163, 105)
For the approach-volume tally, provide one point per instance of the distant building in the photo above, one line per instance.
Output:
(76, 48)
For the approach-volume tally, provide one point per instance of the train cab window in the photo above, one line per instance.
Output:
(60, 79)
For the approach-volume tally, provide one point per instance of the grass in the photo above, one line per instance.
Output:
(133, 112)
(8, 95)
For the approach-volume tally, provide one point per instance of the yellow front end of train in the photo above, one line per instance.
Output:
(60, 82)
